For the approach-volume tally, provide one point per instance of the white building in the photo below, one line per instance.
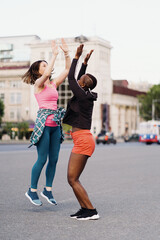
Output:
(14, 61)
(124, 111)
(16, 48)
(98, 65)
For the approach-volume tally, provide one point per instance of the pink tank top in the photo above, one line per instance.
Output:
(47, 99)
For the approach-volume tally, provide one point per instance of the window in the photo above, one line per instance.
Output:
(15, 84)
(2, 84)
(18, 98)
(12, 98)
(69, 94)
(5, 51)
(2, 96)
(68, 88)
(12, 115)
(15, 98)
(15, 114)
(63, 87)
(64, 94)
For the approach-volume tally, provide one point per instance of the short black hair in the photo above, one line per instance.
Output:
(94, 80)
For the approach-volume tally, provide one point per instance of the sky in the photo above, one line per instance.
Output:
(131, 26)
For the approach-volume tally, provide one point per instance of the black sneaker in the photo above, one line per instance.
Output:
(48, 195)
(33, 197)
(80, 212)
(89, 214)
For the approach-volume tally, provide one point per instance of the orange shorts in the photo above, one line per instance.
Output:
(83, 142)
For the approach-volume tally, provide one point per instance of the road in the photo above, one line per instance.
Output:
(123, 182)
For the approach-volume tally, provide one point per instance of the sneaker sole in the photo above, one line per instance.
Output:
(26, 194)
(94, 217)
(47, 199)
(74, 217)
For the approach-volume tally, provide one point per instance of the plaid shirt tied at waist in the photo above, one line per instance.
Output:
(42, 115)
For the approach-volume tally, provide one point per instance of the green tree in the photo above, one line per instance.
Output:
(1, 110)
(22, 129)
(8, 128)
(146, 103)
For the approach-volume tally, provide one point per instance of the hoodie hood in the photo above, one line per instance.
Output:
(92, 95)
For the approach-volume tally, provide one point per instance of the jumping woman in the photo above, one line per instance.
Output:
(79, 116)
(47, 131)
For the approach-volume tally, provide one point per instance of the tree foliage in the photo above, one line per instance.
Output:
(146, 101)
(23, 126)
(22, 129)
(1, 110)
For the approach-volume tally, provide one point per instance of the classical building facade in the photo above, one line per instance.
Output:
(14, 93)
(14, 61)
(16, 48)
(99, 66)
(115, 108)
(124, 111)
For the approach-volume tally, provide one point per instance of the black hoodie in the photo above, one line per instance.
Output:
(80, 106)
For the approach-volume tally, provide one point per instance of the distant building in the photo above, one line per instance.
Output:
(14, 93)
(16, 48)
(15, 55)
(124, 108)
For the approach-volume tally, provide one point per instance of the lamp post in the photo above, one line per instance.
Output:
(137, 121)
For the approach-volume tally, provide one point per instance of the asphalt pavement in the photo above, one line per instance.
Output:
(123, 183)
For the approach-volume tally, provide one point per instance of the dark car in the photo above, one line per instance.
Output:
(133, 138)
(105, 138)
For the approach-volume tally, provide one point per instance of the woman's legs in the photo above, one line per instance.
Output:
(76, 165)
(42, 150)
(54, 147)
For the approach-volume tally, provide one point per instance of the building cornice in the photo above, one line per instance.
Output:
(14, 65)
(21, 36)
(126, 91)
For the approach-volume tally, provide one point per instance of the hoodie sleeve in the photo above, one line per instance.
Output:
(82, 71)
(74, 86)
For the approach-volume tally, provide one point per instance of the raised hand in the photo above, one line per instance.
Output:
(64, 46)
(54, 47)
(79, 51)
(88, 57)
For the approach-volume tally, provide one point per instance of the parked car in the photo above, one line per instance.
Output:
(105, 138)
(132, 138)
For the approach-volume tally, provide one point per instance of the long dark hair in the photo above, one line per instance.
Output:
(33, 73)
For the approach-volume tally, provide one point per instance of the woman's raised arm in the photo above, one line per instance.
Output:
(58, 80)
(47, 72)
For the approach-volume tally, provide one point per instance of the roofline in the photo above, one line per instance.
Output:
(14, 67)
(126, 91)
(15, 36)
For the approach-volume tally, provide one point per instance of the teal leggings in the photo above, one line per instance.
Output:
(48, 145)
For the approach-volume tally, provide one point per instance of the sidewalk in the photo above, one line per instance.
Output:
(5, 142)
(14, 142)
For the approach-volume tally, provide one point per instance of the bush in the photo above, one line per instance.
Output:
(22, 129)
(27, 135)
